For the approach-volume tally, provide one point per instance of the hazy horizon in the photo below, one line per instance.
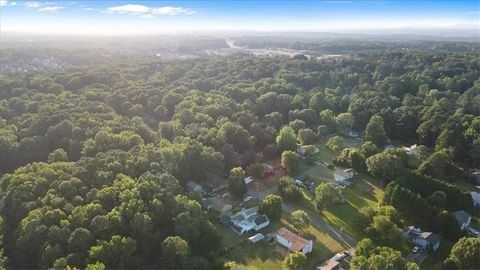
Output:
(436, 18)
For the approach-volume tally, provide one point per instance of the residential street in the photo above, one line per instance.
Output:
(316, 220)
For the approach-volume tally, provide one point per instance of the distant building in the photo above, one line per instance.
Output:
(463, 218)
(267, 169)
(302, 150)
(476, 175)
(217, 204)
(330, 265)
(194, 187)
(292, 241)
(248, 180)
(475, 198)
(248, 220)
(423, 239)
(412, 150)
(341, 176)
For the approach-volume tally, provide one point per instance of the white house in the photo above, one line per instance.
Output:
(341, 176)
(302, 150)
(248, 220)
(411, 151)
(463, 218)
(423, 239)
(248, 179)
(293, 242)
(194, 187)
(475, 198)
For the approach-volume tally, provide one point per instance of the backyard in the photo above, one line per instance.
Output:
(264, 256)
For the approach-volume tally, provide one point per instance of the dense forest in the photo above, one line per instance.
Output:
(95, 157)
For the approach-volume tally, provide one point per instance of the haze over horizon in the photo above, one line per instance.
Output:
(443, 18)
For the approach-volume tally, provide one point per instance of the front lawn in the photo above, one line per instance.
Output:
(363, 192)
(263, 256)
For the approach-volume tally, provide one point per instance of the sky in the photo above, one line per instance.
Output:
(152, 17)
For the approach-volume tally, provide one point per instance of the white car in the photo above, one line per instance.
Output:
(415, 250)
(248, 198)
(472, 232)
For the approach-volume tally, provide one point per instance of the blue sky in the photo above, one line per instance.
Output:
(112, 17)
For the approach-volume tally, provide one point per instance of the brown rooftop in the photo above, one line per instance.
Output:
(297, 241)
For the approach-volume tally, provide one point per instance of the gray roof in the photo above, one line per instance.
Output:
(461, 216)
(432, 238)
(260, 219)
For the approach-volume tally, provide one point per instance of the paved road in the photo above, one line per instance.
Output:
(316, 220)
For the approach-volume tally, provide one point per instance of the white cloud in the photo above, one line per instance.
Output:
(149, 12)
(32, 4)
(91, 9)
(172, 11)
(4, 3)
(50, 9)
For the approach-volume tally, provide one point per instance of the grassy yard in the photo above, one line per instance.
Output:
(263, 256)
(363, 192)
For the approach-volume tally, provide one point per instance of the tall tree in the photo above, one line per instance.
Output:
(375, 131)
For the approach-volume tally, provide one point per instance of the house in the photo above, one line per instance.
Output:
(302, 150)
(341, 176)
(293, 242)
(248, 179)
(424, 240)
(194, 187)
(476, 175)
(217, 204)
(463, 218)
(411, 151)
(330, 265)
(257, 237)
(248, 220)
(267, 169)
(475, 198)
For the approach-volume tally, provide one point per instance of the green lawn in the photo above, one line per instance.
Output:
(363, 192)
(263, 256)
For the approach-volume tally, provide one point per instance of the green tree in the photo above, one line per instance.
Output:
(375, 131)
(385, 166)
(58, 155)
(236, 182)
(384, 232)
(119, 252)
(174, 250)
(295, 261)
(290, 161)
(300, 220)
(326, 194)
(306, 136)
(344, 122)
(465, 254)
(335, 144)
(272, 206)
(287, 139)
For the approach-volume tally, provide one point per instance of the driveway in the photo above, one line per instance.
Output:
(315, 220)
(318, 222)
(417, 258)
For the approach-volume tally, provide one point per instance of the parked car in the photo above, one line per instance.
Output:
(415, 250)
(299, 184)
(472, 232)
(347, 256)
(248, 198)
